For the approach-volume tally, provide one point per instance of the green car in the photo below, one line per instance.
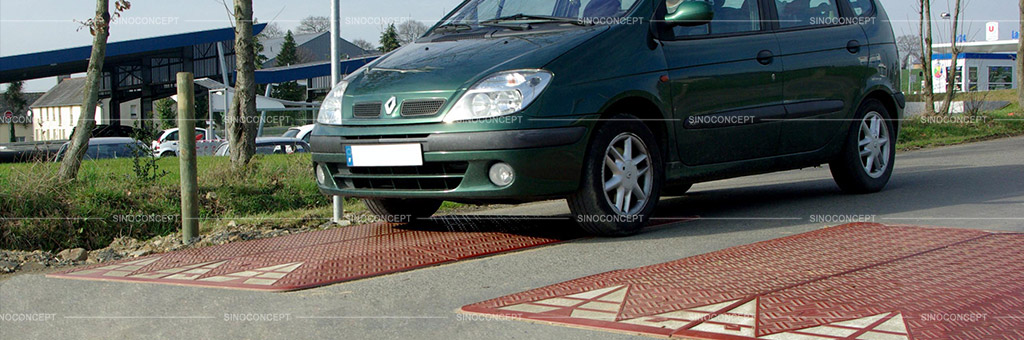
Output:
(612, 104)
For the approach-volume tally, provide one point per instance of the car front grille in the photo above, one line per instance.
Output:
(379, 137)
(422, 107)
(432, 176)
(367, 110)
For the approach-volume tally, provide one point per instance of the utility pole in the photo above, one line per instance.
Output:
(1020, 54)
(339, 202)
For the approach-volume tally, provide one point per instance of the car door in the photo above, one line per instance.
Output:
(824, 56)
(725, 90)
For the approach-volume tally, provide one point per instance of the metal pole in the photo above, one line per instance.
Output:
(339, 203)
(187, 161)
(227, 84)
(263, 114)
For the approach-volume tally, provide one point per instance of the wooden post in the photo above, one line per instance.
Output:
(187, 159)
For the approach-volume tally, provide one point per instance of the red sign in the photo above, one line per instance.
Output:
(8, 115)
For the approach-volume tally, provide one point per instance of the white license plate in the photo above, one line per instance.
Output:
(384, 155)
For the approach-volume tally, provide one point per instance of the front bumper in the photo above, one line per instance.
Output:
(547, 163)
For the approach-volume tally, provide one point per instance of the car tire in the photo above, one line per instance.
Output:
(859, 169)
(395, 210)
(621, 210)
(167, 154)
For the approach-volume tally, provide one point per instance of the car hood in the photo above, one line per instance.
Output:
(441, 67)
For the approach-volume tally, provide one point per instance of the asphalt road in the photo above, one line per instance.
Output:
(972, 186)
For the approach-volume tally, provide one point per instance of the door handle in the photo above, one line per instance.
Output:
(853, 46)
(765, 57)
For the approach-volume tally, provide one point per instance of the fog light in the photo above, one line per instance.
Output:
(320, 177)
(502, 174)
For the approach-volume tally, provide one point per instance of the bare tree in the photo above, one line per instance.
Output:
(314, 24)
(99, 27)
(1020, 60)
(273, 30)
(910, 49)
(369, 46)
(241, 121)
(925, 24)
(411, 30)
(951, 80)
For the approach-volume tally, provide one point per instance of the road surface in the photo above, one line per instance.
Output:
(970, 186)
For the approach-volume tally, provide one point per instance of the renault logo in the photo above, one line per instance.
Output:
(391, 105)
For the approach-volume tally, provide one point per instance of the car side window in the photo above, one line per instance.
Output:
(862, 7)
(800, 13)
(172, 137)
(92, 152)
(731, 16)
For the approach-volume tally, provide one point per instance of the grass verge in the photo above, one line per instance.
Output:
(922, 132)
(106, 201)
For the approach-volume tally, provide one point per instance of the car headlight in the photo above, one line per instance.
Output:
(330, 109)
(501, 94)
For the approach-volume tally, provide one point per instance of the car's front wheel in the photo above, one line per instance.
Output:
(622, 179)
(866, 162)
(395, 210)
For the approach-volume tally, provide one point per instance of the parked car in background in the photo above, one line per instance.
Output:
(300, 132)
(109, 131)
(106, 148)
(167, 144)
(611, 103)
(271, 146)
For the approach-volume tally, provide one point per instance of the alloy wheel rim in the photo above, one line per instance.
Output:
(627, 174)
(874, 145)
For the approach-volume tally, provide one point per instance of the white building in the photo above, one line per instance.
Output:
(981, 66)
(56, 113)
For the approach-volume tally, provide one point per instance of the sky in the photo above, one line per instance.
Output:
(28, 26)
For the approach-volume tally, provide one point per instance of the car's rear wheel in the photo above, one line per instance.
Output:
(622, 179)
(395, 210)
(867, 160)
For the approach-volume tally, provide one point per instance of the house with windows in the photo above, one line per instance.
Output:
(981, 66)
(56, 112)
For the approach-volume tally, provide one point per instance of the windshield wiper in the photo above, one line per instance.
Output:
(453, 27)
(521, 16)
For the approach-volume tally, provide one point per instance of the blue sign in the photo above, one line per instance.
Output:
(1015, 35)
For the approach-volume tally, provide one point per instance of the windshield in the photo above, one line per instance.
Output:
(476, 12)
(291, 133)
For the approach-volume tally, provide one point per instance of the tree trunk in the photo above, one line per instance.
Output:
(951, 75)
(72, 161)
(242, 119)
(1020, 59)
(926, 57)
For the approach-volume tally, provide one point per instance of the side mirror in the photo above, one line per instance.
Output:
(691, 13)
